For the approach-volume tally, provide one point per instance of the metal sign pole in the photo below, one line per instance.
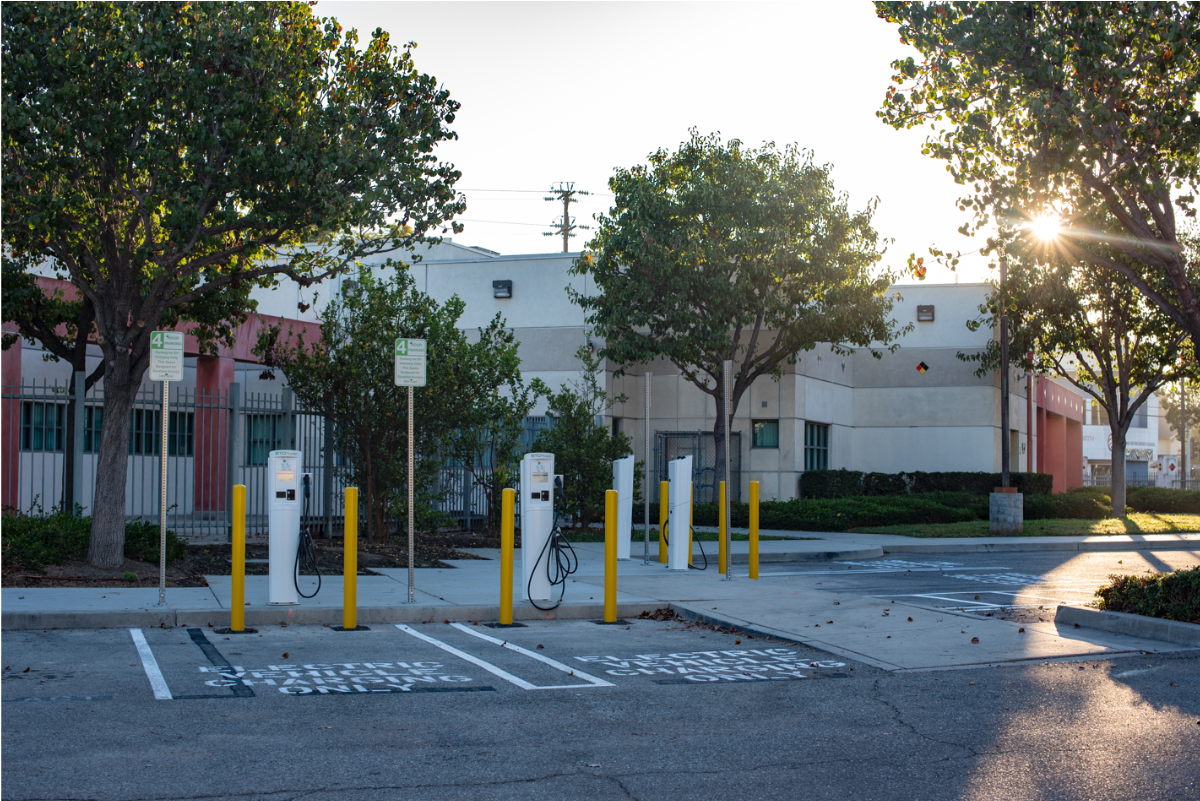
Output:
(728, 489)
(411, 593)
(646, 493)
(162, 504)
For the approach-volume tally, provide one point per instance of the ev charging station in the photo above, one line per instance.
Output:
(623, 484)
(537, 522)
(286, 486)
(679, 474)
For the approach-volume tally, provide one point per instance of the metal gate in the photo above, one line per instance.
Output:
(702, 447)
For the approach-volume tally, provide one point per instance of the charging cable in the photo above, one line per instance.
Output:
(667, 541)
(561, 561)
(306, 554)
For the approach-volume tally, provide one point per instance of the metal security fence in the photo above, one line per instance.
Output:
(214, 441)
(702, 447)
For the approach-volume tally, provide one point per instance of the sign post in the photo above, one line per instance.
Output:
(166, 365)
(410, 372)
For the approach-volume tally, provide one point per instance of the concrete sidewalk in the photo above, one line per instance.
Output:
(866, 629)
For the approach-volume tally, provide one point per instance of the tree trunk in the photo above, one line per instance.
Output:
(1118, 470)
(106, 549)
(719, 440)
(69, 467)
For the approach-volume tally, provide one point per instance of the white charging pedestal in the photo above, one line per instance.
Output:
(623, 484)
(537, 521)
(679, 473)
(283, 527)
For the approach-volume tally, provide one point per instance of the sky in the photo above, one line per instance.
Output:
(556, 92)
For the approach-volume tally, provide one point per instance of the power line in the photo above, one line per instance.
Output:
(533, 191)
(508, 222)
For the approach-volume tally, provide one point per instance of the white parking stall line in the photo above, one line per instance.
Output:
(488, 666)
(955, 601)
(150, 664)
(592, 680)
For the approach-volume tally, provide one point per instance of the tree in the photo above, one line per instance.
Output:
(159, 154)
(1095, 330)
(715, 252)
(583, 448)
(488, 442)
(1079, 111)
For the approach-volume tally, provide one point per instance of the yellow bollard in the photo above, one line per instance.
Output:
(610, 556)
(691, 520)
(350, 562)
(721, 555)
(754, 529)
(508, 505)
(664, 505)
(237, 604)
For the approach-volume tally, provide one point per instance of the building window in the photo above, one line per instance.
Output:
(145, 432)
(180, 433)
(1141, 418)
(42, 426)
(1099, 415)
(766, 433)
(616, 427)
(93, 424)
(262, 437)
(816, 446)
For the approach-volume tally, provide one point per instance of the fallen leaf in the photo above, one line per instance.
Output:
(1020, 630)
(910, 620)
(540, 646)
(285, 654)
(828, 622)
(889, 636)
(593, 764)
(227, 638)
(836, 603)
(1172, 684)
(447, 620)
(325, 727)
(975, 639)
(976, 597)
(972, 682)
(1078, 626)
(737, 642)
(26, 670)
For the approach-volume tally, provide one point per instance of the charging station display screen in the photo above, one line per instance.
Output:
(285, 475)
(540, 474)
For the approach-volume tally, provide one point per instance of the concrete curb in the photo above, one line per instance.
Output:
(1018, 547)
(1146, 628)
(807, 556)
(301, 616)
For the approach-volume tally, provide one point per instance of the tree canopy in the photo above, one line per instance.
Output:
(716, 252)
(1084, 112)
(158, 154)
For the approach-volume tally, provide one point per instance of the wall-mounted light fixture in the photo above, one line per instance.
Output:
(502, 289)
(925, 314)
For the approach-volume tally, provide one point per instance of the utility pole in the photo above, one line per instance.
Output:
(1004, 440)
(566, 193)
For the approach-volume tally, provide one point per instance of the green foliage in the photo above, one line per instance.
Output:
(1174, 596)
(33, 539)
(1163, 500)
(583, 449)
(715, 252)
(850, 483)
(1083, 110)
(347, 373)
(143, 538)
(1171, 403)
(1086, 503)
(165, 158)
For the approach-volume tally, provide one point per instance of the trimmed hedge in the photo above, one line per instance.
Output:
(1163, 500)
(1174, 596)
(36, 540)
(816, 484)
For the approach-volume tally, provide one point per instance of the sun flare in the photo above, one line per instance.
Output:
(1045, 228)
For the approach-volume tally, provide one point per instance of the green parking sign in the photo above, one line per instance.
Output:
(410, 362)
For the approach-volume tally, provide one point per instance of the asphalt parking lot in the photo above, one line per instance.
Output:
(647, 710)
(1012, 585)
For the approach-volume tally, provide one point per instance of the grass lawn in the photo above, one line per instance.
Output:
(1136, 523)
(597, 535)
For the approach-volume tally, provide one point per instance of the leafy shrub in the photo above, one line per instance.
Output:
(1162, 500)
(1088, 503)
(32, 539)
(142, 540)
(1174, 596)
(852, 483)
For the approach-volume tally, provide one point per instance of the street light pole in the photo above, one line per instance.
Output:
(1004, 435)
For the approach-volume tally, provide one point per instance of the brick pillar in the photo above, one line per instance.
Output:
(1073, 453)
(1056, 450)
(211, 440)
(10, 424)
